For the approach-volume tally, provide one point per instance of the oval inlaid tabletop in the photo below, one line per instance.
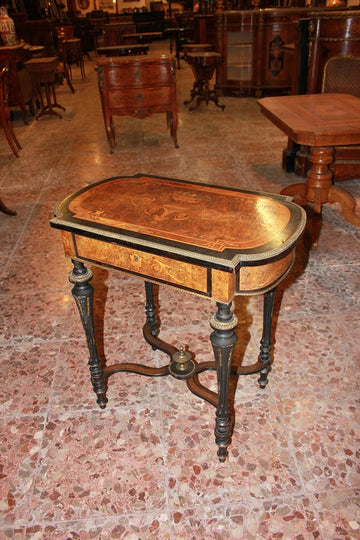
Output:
(194, 216)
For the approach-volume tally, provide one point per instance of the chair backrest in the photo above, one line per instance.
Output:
(342, 75)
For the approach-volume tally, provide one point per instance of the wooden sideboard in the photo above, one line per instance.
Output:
(113, 32)
(258, 47)
(254, 47)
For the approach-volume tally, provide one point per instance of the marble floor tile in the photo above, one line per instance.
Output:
(86, 469)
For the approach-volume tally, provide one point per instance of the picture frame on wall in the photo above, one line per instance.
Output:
(84, 4)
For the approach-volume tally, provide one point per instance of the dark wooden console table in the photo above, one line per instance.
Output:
(212, 241)
(320, 121)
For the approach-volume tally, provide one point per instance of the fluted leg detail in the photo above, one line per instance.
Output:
(265, 343)
(83, 294)
(223, 340)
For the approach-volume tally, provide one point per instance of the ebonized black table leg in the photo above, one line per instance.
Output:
(223, 340)
(265, 343)
(151, 319)
(83, 294)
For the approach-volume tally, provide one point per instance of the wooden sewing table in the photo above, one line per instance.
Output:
(320, 121)
(203, 65)
(212, 241)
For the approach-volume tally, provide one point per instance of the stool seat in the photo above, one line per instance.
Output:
(203, 66)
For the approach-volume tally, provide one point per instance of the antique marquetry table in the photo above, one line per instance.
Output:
(207, 240)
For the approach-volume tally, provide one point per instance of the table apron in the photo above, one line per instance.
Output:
(202, 280)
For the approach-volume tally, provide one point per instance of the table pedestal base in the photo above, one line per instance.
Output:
(182, 364)
(203, 65)
(318, 188)
(202, 92)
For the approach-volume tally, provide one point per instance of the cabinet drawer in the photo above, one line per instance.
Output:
(144, 75)
(132, 98)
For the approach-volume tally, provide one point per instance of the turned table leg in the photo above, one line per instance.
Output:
(223, 340)
(265, 343)
(83, 294)
(150, 309)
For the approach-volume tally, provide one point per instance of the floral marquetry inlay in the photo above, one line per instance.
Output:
(198, 215)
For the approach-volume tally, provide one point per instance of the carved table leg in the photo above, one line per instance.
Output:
(83, 294)
(319, 176)
(265, 343)
(223, 340)
(347, 203)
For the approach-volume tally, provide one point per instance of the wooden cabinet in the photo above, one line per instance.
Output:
(137, 86)
(113, 32)
(255, 48)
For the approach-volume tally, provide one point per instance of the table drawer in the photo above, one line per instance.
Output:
(145, 264)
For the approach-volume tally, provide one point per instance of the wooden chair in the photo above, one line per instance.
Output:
(342, 75)
(5, 113)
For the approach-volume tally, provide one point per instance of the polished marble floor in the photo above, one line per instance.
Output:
(146, 467)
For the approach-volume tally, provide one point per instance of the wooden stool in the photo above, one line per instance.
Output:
(43, 71)
(203, 65)
(73, 51)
